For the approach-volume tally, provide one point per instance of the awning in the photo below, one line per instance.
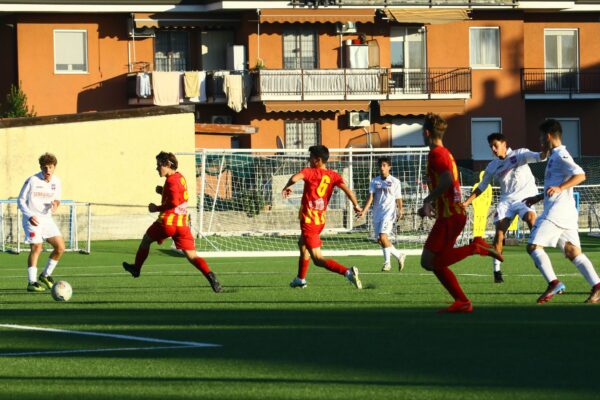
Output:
(427, 15)
(225, 129)
(317, 15)
(421, 107)
(317, 105)
(180, 20)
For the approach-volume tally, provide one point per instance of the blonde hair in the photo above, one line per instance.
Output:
(436, 125)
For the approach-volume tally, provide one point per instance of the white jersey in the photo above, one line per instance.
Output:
(560, 208)
(37, 195)
(385, 192)
(513, 174)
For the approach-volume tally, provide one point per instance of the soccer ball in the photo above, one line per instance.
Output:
(61, 291)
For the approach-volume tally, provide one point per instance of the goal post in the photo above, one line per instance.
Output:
(72, 218)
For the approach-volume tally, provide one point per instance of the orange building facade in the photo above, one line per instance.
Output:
(332, 74)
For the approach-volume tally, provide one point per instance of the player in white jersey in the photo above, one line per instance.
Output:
(385, 193)
(38, 200)
(558, 224)
(510, 170)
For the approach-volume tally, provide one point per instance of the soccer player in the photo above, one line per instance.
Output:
(385, 193)
(319, 183)
(511, 171)
(38, 200)
(558, 224)
(444, 203)
(172, 221)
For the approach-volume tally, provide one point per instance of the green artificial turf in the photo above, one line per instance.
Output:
(328, 341)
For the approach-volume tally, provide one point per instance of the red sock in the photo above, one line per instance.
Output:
(201, 265)
(335, 267)
(141, 256)
(448, 279)
(303, 267)
(447, 257)
(596, 286)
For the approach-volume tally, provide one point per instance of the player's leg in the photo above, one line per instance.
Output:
(58, 249)
(501, 228)
(572, 250)
(199, 263)
(155, 233)
(32, 260)
(543, 234)
(385, 230)
(383, 242)
(303, 261)
(317, 257)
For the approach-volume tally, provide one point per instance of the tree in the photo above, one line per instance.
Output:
(16, 104)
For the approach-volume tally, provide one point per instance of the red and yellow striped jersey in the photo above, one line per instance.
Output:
(173, 208)
(318, 188)
(439, 161)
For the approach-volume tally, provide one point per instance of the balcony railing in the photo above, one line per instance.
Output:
(398, 3)
(560, 83)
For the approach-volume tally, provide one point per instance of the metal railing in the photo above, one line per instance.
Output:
(398, 3)
(559, 81)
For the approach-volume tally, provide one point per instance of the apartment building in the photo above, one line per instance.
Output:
(337, 72)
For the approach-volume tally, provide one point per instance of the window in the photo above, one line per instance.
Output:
(480, 129)
(561, 60)
(70, 52)
(485, 47)
(171, 51)
(571, 135)
(300, 48)
(302, 134)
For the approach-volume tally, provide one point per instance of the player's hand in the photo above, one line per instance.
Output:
(400, 216)
(286, 192)
(529, 201)
(152, 207)
(552, 190)
(159, 189)
(33, 221)
(54, 206)
(358, 210)
(427, 210)
(464, 205)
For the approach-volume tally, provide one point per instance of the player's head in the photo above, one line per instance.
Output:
(48, 163)
(434, 128)
(166, 161)
(385, 163)
(497, 142)
(318, 152)
(550, 132)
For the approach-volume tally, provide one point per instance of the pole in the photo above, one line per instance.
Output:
(201, 203)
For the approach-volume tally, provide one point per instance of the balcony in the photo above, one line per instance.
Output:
(560, 84)
(403, 3)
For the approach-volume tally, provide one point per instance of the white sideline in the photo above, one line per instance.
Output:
(58, 352)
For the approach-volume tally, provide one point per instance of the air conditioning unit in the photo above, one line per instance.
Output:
(358, 118)
(347, 27)
(221, 119)
(142, 33)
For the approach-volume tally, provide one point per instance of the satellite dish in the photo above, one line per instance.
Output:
(279, 142)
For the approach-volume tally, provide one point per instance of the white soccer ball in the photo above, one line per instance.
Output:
(61, 291)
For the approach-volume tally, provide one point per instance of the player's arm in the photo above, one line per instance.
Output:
(529, 201)
(366, 206)
(22, 203)
(169, 199)
(474, 194)
(287, 189)
(570, 168)
(400, 207)
(350, 196)
(57, 195)
(526, 156)
(574, 180)
(444, 184)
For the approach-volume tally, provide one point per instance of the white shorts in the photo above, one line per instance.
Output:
(384, 224)
(509, 210)
(547, 234)
(38, 234)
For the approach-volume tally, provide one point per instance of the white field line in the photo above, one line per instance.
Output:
(59, 352)
(173, 343)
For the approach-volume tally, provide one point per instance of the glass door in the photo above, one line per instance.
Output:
(409, 73)
(561, 58)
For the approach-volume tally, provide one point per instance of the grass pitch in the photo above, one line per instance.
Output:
(328, 341)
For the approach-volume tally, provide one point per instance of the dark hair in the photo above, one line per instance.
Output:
(384, 159)
(167, 160)
(496, 136)
(47, 159)
(319, 151)
(552, 127)
(436, 125)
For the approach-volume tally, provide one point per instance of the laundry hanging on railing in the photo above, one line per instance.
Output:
(234, 90)
(167, 88)
(142, 85)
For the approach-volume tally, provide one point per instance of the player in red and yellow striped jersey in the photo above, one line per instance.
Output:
(444, 203)
(319, 183)
(172, 221)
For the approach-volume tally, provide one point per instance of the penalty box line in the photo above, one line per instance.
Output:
(174, 344)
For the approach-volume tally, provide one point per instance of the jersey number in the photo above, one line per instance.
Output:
(185, 193)
(322, 189)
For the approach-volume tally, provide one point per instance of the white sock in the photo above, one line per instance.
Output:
(584, 265)
(542, 261)
(497, 264)
(395, 252)
(32, 274)
(386, 255)
(50, 265)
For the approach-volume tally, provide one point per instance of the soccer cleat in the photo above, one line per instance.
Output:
(298, 283)
(553, 288)
(131, 269)
(214, 283)
(458, 307)
(498, 277)
(386, 267)
(401, 260)
(35, 287)
(353, 277)
(594, 296)
(46, 280)
(482, 248)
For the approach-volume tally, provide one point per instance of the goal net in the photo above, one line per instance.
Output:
(73, 220)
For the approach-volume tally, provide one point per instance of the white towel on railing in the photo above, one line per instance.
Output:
(167, 87)
(202, 83)
(142, 85)
(234, 91)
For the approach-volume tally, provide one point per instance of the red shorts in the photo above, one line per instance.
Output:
(311, 235)
(182, 235)
(444, 233)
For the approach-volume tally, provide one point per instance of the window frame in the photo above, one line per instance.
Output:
(499, 53)
(85, 50)
(490, 156)
(297, 31)
(301, 123)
